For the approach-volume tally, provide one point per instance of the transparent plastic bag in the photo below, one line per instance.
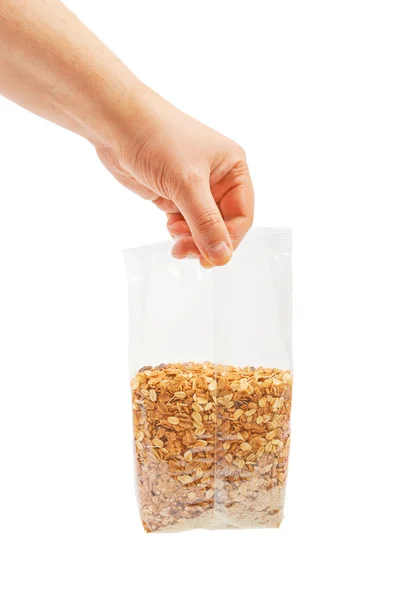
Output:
(210, 368)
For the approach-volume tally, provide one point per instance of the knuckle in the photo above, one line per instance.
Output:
(208, 222)
(237, 153)
(241, 154)
(241, 170)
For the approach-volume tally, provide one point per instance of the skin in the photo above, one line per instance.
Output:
(52, 65)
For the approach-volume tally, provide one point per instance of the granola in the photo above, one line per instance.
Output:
(212, 445)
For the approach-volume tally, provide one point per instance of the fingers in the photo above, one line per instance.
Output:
(235, 195)
(177, 226)
(205, 221)
(232, 200)
(185, 246)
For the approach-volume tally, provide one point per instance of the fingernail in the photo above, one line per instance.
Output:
(219, 254)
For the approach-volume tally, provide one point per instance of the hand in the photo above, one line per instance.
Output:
(196, 175)
(51, 64)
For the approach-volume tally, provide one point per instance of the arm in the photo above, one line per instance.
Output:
(52, 65)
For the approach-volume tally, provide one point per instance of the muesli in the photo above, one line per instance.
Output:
(212, 445)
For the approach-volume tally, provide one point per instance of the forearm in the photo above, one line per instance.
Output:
(52, 65)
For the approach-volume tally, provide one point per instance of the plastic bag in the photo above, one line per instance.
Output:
(210, 367)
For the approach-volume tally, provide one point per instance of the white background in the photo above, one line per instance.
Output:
(311, 90)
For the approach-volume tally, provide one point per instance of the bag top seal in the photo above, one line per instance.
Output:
(273, 240)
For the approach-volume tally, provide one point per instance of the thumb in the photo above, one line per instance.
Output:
(206, 224)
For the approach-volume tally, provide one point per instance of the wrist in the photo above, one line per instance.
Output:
(121, 113)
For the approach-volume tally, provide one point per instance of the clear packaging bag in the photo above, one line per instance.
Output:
(211, 379)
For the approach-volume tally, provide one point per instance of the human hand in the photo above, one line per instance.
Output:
(196, 175)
